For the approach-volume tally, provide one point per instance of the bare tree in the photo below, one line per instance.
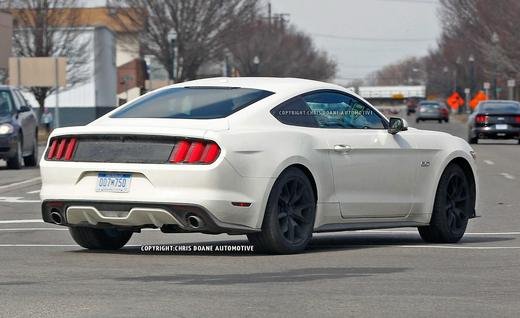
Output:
(44, 28)
(410, 71)
(260, 48)
(199, 26)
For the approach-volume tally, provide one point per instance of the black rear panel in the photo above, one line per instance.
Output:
(123, 149)
(497, 119)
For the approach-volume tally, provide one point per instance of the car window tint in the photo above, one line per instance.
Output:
(6, 103)
(192, 103)
(23, 101)
(335, 110)
(17, 99)
(295, 112)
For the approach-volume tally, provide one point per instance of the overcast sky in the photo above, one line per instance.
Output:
(343, 29)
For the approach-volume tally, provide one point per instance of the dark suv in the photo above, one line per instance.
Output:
(18, 129)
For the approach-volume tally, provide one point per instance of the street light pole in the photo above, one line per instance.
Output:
(256, 63)
(172, 39)
(495, 40)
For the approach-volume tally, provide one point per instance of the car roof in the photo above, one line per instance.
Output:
(272, 84)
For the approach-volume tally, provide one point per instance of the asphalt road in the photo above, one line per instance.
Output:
(388, 273)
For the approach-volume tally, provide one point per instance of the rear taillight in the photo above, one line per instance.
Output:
(195, 152)
(517, 119)
(481, 119)
(62, 149)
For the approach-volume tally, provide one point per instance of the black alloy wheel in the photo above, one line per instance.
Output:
(289, 217)
(454, 204)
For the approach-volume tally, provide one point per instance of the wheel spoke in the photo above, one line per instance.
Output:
(291, 225)
(298, 217)
(282, 215)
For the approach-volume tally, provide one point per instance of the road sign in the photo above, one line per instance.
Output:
(6, 28)
(477, 99)
(487, 85)
(455, 101)
(467, 91)
(38, 71)
(511, 83)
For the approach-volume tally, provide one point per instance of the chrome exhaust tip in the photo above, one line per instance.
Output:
(56, 217)
(195, 222)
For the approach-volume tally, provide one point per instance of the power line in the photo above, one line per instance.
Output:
(352, 38)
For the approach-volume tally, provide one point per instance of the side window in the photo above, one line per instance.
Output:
(23, 101)
(295, 112)
(335, 110)
(16, 98)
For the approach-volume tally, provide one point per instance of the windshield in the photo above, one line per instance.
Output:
(192, 103)
(500, 107)
(6, 103)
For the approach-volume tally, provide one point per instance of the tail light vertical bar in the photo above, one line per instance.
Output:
(70, 149)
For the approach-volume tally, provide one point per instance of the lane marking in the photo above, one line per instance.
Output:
(415, 232)
(507, 176)
(489, 162)
(51, 245)
(17, 200)
(32, 192)
(21, 221)
(34, 229)
(464, 247)
(7, 186)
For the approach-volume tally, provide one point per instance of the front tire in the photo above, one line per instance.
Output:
(289, 216)
(100, 239)
(454, 204)
(32, 159)
(16, 161)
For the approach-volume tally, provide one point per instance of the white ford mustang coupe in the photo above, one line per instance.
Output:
(276, 159)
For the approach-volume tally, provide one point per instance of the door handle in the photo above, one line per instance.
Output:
(342, 148)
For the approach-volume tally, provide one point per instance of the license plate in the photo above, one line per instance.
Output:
(113, 182)
(501, 127)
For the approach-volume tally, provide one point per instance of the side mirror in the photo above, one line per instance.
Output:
(396, 125)
(24, 109)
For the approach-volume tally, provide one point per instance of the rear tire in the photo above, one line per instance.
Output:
(440, 121)
(417, 120)
(16, 161)
(32, 159)
(473, 140)
(100, 239)
(454, 204)
(289, 216)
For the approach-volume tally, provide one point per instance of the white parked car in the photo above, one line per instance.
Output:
(276, 159)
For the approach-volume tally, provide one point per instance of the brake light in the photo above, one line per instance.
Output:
(194, 152)
(517, 119)
(62, 149)
(481, 119)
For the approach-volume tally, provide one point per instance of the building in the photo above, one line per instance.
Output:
(391, 95)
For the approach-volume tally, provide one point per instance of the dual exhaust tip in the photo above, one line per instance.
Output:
(194, 222)
(56, 217)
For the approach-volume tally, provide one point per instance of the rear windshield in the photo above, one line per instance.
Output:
(430, 105)
(500, 108)
(192, 103)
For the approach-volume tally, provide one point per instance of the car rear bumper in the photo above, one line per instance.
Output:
(492, 133)
(159, 195)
